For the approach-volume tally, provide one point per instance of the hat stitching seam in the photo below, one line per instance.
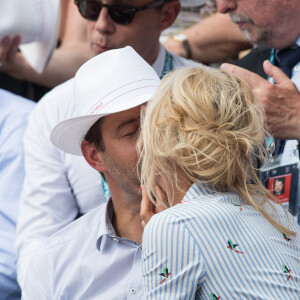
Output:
(89, 111)
(95, 109)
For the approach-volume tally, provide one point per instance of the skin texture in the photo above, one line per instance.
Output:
(214, 39)
(118, 163)
(273, 24)
(280, 101)
(104, 34)
(278, 187)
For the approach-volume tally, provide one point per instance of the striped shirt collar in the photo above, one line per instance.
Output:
(198, 189)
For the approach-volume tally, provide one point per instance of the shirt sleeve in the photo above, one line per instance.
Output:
(38, 282)
(13, 120)
(173, 267)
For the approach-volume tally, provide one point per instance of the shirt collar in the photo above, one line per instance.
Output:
(158, 65)
(198, 189)
(105, 226)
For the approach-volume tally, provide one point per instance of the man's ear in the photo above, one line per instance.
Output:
(93, 156)
(169, 13)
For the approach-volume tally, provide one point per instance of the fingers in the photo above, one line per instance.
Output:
(279, 76)
(9, 48)
(252, 79)
(5, 42)
(13, 49)
(147, 208)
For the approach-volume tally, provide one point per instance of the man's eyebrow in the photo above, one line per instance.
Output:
(127, 122)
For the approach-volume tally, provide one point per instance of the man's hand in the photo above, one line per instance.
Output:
(280, 101)
(13, 62)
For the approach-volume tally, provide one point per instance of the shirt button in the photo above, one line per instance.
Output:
(116, 240)
(132, 291)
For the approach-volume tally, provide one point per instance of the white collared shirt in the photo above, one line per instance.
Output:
(86, 260)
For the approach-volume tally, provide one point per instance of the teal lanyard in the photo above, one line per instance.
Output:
(168, 65)
(105, 188)
(272, 61)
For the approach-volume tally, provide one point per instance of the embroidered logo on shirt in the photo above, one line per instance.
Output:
(286, 237)
(287, 271)
(165, 274)
(232, 246)
(238, 205)
(214, 297)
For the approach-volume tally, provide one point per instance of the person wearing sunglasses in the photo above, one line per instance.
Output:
(58, 186)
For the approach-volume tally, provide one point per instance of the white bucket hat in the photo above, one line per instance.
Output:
(37, 22)
(113, 81)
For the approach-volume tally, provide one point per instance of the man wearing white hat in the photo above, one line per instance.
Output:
(99, 255)
(58, 186)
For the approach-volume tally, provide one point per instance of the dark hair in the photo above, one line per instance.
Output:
(281, 179)
(94, 135)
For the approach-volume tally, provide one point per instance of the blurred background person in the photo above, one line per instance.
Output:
(274, 28)
(201, 34)
(17, 73)
(13, 120)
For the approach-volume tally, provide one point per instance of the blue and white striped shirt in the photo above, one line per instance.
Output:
(212, 246)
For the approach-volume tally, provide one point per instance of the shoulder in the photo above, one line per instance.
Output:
(206, 206)
(56, 105)
(198, 211)
(13, 104)
(78, 232)
(14, 114)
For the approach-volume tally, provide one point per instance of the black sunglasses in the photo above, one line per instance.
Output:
(120, 13)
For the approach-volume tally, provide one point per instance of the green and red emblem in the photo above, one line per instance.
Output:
(165, 274)
(232, 246)
(214, 297)
(286, 270)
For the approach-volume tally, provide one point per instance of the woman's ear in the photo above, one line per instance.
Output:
(169, 13)
(93, 156)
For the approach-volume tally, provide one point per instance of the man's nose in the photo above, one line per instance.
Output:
(225, 6)
(104, 23)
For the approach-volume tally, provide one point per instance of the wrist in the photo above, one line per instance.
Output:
(182, 39)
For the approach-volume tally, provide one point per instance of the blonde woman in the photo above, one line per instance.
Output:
(219, 233)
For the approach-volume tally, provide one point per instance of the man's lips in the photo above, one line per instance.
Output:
(100, 48)
(241, 24)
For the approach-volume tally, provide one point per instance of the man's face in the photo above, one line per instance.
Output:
(278, 187)
(119, 133)
(142, 33)
(268, 23)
